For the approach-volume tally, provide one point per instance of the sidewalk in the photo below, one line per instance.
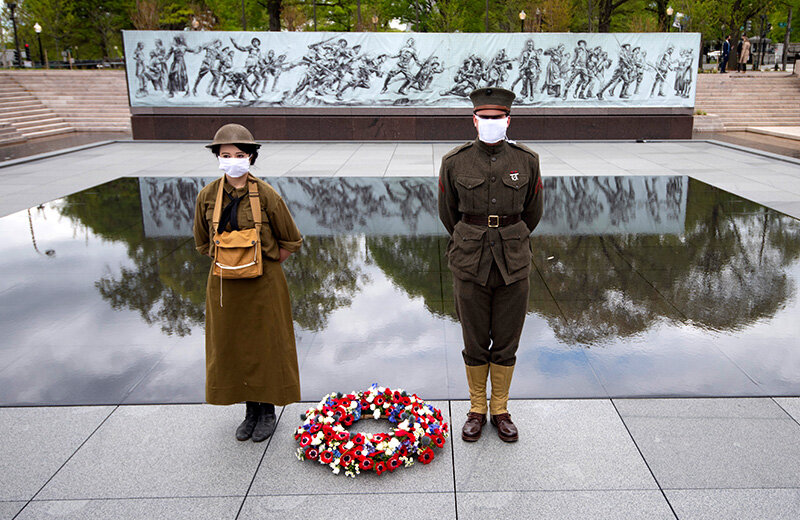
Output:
(597, 459)
(576, 458)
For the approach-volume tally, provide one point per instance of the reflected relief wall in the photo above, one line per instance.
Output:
(408, 206)
(218, 69)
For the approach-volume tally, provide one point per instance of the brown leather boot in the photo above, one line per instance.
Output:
(471, 431)
(505, 428)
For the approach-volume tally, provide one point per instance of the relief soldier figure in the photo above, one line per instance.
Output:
(490, 200)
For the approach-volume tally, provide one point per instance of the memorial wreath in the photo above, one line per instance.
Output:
(323, 435)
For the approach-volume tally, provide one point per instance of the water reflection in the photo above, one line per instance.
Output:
(628, 271)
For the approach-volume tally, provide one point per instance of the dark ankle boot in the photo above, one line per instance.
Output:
(266, 422)
(252, 412)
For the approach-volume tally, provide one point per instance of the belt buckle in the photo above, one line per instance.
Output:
(496, 221)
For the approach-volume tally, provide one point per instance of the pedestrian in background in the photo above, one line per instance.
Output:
(251, 354)
(744, 54)
(490, 200)
(726, 53)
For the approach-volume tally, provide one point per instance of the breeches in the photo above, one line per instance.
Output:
(491, 318)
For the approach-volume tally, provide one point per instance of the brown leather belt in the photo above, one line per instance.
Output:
(491, 220)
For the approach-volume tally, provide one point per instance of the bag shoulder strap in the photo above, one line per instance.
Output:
(255, 201)
(218, 205)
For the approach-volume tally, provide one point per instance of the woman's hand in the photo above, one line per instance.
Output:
(284, 254)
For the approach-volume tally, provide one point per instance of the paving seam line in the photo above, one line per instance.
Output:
(260, 461)
(67, 461)
(643, 458)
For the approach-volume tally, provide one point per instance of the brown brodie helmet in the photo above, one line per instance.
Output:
(492, 98)
(233, 134)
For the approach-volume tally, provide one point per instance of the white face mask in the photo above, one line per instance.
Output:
(234, 167)
(492, 130)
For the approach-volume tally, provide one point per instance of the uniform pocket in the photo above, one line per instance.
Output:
(516, 246)
(468, 193)
(517, 182)
(467, 247)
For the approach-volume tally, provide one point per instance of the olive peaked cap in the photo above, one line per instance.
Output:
(493, 98)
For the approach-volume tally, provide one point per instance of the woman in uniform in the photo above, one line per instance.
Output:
(250, 345)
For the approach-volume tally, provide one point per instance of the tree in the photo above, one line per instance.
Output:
(606, 10)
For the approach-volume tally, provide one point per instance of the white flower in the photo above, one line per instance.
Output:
(394, 443)
(377, 414)
(372, 407)
(336, 470)
(349, 445)
(403, 425)
(386, 405)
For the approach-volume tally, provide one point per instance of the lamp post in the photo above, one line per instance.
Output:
(11, 7)
(522, 17)
(669, 15)
(375, 22)
(38, 29)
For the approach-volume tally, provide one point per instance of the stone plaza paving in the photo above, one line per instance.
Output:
(603, 458)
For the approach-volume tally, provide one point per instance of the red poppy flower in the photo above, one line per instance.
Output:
(379, 400)
(312, 453)
(327, 430)
(377, 438)
(403, 451)
(315, 428)
(347, 458)
(342, 436)
(380, 467)
(387, 392)
(348, 420)
(396, 395)
(394, 463)
(359, 439)
(305, 440)
(426, 456)
(326, 456)
(438, 440)
(366, 464)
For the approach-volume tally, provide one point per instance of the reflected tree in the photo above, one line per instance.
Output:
(323, 276)
(166, 285)
(417, 266)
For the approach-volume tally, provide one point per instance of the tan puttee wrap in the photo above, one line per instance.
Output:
(501, 383)
(476, 379)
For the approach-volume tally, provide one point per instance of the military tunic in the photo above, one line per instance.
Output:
(250, 344)
(490, 265)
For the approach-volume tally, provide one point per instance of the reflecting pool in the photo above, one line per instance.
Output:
(642, 286)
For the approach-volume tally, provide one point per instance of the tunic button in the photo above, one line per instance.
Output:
(493, 179)
(494, 201)
(491, 243)
(494, 159)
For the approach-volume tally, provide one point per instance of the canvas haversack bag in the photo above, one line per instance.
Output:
(237, 253)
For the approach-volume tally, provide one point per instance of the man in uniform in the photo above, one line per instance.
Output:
(490, 200)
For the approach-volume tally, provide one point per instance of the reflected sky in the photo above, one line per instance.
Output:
(642, 286)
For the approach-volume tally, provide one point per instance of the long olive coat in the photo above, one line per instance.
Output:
(250, 345)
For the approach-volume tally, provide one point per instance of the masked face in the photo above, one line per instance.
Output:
(234, 166)
(491, 128)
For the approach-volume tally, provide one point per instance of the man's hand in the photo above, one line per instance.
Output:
(284, 254)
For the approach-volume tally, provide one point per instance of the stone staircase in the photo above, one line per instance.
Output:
(23, 116)
(753, 99)
(47, 102)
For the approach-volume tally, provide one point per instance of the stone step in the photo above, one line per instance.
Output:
(35, 126)
(47, 133)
